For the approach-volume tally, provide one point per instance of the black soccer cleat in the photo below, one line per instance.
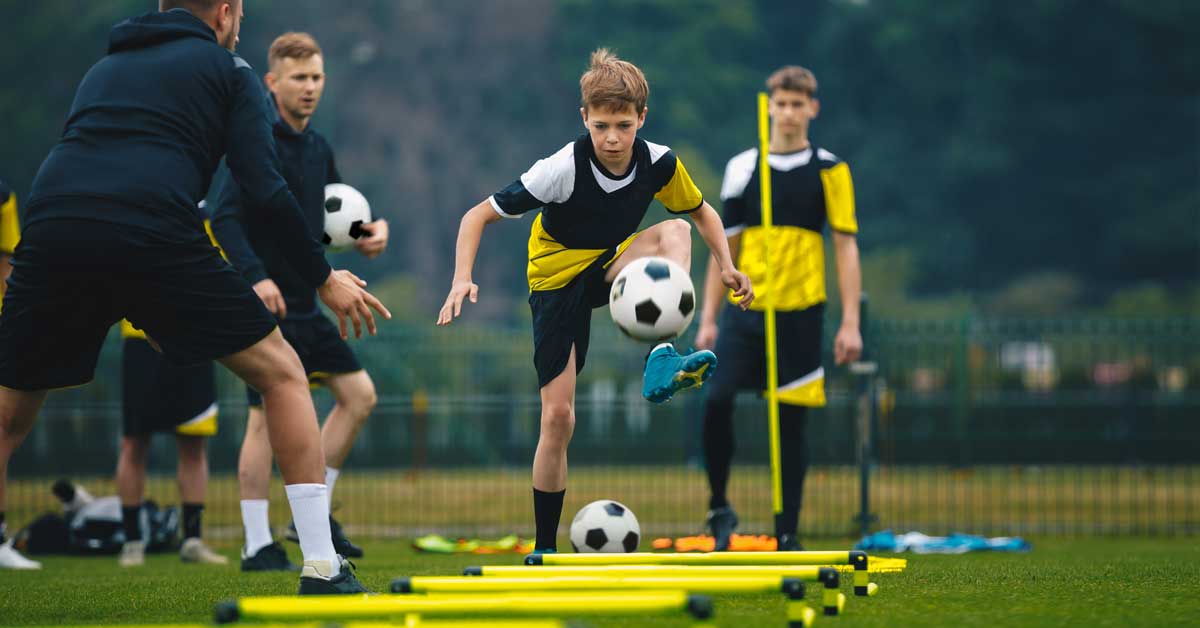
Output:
(721, 522)
(789, 543)
(314, 582)
(270, 558)
(341, 544)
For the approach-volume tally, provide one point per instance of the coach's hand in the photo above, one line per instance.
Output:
(271, 297)
(376, 240)
(847, 346)
(459, 290)
(344, 294)
(706, 336)
(737, 281)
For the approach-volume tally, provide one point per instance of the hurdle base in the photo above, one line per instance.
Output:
(800, 615)
(700, 606)
(835, 609)
(869, 590)
(473, 571)
(226, 613)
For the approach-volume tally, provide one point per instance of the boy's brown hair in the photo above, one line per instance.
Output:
(613, 84)
(793, 78)
(197, 7)
(292, 46)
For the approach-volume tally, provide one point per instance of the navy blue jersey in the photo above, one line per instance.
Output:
(149, 124)
(251, 239)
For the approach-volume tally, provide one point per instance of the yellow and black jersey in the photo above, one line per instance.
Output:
(10, 225)
(587, 210)
(809, 189)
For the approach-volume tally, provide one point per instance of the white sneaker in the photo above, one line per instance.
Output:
(194, 550)
(10, 558)
(133, 554)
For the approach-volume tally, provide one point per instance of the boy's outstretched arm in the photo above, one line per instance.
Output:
(470, 231)
(708, 223)
(714, 294)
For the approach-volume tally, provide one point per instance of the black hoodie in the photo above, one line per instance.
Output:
(148, 127)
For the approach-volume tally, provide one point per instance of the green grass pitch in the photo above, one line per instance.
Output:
(1093, 582)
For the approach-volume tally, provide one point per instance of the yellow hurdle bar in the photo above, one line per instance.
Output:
(492, 605)
(412, 621)
(858, 560)
(807, 573)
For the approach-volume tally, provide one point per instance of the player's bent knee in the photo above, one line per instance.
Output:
(558, 419)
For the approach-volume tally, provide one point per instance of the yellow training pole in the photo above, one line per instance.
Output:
(851, 557)
(499, 605)
(691, 584)
(808, 573)
(764, 169)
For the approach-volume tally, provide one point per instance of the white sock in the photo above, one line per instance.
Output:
(257, 525)
(331, 476)
(310, 511)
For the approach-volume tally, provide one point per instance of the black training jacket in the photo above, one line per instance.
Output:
(151, 121)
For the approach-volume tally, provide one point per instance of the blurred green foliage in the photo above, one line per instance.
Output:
(1030, 158)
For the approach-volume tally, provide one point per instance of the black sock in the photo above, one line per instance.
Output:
(547, 510)
(718, 448)
(3, 527)
(131, 521)
(793, 453)
(192, 515)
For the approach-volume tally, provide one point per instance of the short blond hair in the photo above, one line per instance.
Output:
(292, 46)
(613, 84)
(793, 78)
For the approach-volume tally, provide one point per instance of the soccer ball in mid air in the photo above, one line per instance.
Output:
(652, 299)
(605, 526)
(346, 211)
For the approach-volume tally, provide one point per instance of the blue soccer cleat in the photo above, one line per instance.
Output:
(667, 372)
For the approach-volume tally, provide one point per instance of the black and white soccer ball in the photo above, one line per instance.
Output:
(652, 299)
(605, 526)
(346, 211)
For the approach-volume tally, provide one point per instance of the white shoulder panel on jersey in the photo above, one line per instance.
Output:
(552, 180)
(825, 155)
(738, 173)
(657, 151)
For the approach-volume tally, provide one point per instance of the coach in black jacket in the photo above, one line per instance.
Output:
(111, 231)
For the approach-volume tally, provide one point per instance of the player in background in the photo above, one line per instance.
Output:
(296, 80)
(158, 396)
(810, 188)
(594, 193)
(111, 231)
(10, 234)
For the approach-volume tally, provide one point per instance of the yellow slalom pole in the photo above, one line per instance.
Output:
(691, 584)
(808, 573)
(851, 557)
(764, 170)
(498, 605)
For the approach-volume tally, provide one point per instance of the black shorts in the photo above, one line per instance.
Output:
(73, 279)
(321, 349)
(562, 318)
(741, 349)
(161, 397)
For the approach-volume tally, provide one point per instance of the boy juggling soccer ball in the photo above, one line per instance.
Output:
(810, 188)
(594, 193)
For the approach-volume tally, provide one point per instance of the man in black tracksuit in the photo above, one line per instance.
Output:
(112, 231)
(297, 81)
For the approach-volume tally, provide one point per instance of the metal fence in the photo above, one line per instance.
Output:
(989, 426)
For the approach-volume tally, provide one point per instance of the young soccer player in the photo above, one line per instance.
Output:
(296, 81)
(810, 187)
(10, 234)
(112, 232)
(594, 193)
(158, 396)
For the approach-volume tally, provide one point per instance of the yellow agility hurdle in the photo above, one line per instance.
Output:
(411, 621)
(793, 588)
(854, 558)
(503, 605)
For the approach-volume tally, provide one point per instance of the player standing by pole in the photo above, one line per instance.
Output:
(780, 211)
